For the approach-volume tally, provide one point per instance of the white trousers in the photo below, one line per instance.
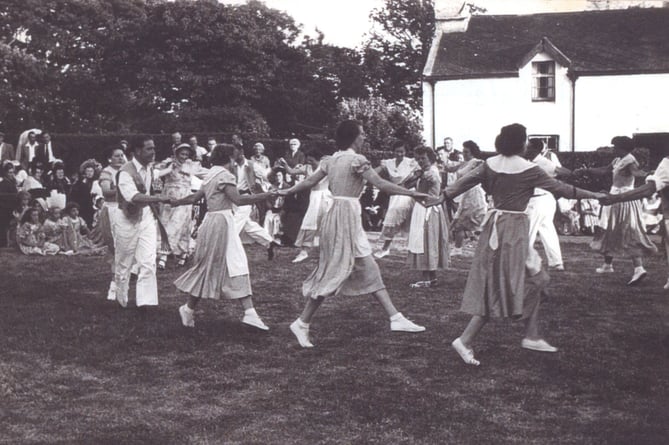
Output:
(541, 211)
(136, 243)
(249, 229)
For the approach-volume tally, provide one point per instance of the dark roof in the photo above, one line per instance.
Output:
(596, 42)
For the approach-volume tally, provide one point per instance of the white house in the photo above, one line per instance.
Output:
(575, 79)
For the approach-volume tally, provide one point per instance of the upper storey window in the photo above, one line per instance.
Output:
(543, 81)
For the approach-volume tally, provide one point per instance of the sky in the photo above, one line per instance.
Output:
(346, 22)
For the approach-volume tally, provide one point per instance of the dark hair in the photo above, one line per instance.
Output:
(624, 143)
(6, 167)
(314, 152)
(347, 132)
(221, 154)
(534, 147)
(72, 205)
(473, 148)
(141, 141)
(424, 150)
(34, 165)
(511, 140)
(112, 149)
(26, 215)
(398, 143)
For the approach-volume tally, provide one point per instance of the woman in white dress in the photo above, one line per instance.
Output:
(398, 215)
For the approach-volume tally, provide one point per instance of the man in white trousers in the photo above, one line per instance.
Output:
(136, 227)
(248, 183)
(541, 208)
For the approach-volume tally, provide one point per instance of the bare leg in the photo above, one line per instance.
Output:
(247, 302)
(192, 302)
(637, 261)
(472, 330)
(383, 297)
(310, 309)
(387, 243)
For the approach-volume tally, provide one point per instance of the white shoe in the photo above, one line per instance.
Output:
(540, 345)
(255, 321)
(559, 267)
(606, 268)
(639, 274)
(303, 255)
(457, 251)
(187, 318)
(666, 285)
(111, 293)
(382, 253)
(402, 324)
(122, 299)
(301, 333)
(466, 354)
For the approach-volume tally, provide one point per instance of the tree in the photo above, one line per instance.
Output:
(383, 123)
(395, 54)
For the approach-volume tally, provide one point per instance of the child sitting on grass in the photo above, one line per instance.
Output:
(76, 232)
(30, 235)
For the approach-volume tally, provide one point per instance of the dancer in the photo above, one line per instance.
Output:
(320, 199)
(498, 284)
(542, 206)
(473, 205)
(108, 216)
(177, 172)
(345, 264)
(248, 183)
(624, 232)
(137, 227)
(397, 170)
(219, 264)
(658, 182)
(428, 236)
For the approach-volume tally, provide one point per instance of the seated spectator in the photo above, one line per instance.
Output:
(82, 191)
(76, 232)
(53, 228)
(374, 205)
(30, 236)
(568, 217)
(33, 183)
(58, 181)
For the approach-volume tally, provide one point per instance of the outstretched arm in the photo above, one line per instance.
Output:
(307, 184)
(242, 200)
(388, 187)
(644, 191)
(188, 200)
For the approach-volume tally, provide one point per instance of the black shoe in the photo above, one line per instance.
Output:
(270, 251)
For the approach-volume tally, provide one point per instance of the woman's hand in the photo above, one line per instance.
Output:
(606, 199)
(433, 200)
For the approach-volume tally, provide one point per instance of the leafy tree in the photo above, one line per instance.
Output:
(383, 123)
(396, 52)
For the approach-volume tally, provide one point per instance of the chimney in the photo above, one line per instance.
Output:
(451, 16)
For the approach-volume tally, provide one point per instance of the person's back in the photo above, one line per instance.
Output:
(344, 170)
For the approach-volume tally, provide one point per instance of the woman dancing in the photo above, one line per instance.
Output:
(345, 264)
(219, 264)
(506, 278)
(624, 231)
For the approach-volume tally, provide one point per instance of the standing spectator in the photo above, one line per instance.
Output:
(294, 155)
(49, 150)
(26, 153)
(82, 191)
(176, 140)
(7, 151)
(8, 193)
(199, 151)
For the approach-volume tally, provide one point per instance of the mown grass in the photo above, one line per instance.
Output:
(75, 368)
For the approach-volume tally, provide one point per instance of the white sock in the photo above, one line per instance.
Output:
(397, 316)
(302, 324)
(187, 309)
(251, 311)
(639, 269)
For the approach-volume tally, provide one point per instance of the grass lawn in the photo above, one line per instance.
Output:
(75, 368)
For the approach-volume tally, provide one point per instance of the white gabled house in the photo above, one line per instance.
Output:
(575, 79)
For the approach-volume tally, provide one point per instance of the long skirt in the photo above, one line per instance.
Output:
(209, 276)
(345, 264)
(433, 232)
(319, 202)
(471, 211)
(625, 233)
(496, 282)
(397, 217)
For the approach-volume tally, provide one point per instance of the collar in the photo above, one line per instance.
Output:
(509, 164)
(137, 164)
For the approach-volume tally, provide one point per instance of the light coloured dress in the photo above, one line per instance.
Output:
(345, 263)
(177, 220)
(220, 265)
(625, 231)
(472, 204)
(398, 214)
(496, 284)
(31, 240)
(108, 212)
(428, 235)
(320, 199)
(76, 241)
(54, 232)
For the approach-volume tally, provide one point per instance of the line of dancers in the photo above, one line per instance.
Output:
(506, 278)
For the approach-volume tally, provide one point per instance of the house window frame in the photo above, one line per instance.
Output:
(551, 141)
(539, 77)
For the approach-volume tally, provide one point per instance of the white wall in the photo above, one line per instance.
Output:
(477, 108)
(608, 106)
